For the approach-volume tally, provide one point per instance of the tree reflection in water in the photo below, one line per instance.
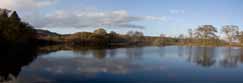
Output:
(201, 56)
(212, 56)
(112, 53)
(205, 56)
(12, 60)
(134, 53)
(241, 55)
(232, 57)
(99, 53)
(87, 62)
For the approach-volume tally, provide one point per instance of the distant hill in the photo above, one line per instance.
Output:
(42, 32)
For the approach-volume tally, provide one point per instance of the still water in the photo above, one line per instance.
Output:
(170, 64)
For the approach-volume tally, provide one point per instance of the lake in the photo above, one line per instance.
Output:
(169, 64)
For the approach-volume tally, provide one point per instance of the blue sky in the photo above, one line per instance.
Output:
(172, 17)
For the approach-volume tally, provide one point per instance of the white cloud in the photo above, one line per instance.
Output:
(78, 18)
(157, 18)
(89, 18)
(25, 4)
(176, 11)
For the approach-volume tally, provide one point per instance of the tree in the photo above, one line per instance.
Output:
(159, 42)
(15, 16)
(205, 32)
(4, 13)
(135, 36)
(113, 37)
(84, 35)
(231, 32)
(240, 37)
(97, 39)
(3, 22)
(181, 38)
(13, 31)
(113, 34)
(190, 33)
(100, 31)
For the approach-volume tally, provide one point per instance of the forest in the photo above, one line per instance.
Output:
(13, 31)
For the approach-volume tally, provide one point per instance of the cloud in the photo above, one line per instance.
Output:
(157, 18)
(6, 3)
(25, 4)
(84, 18)
(78, 18)
(176, 11)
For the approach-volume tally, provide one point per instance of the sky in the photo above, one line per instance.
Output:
(153, 17)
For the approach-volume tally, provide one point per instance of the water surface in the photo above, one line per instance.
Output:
(172, 64)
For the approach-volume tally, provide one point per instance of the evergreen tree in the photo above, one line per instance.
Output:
(14, 16)
(13, 31)
(4, 13)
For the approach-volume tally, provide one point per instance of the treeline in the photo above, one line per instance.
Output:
(204, 35)
(101, 37)
(208, 35)
(13, 31)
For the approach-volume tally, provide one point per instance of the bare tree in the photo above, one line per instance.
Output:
(190, 33)
(231, 32)
(240, 37)
(205, 32)
(135, 36)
